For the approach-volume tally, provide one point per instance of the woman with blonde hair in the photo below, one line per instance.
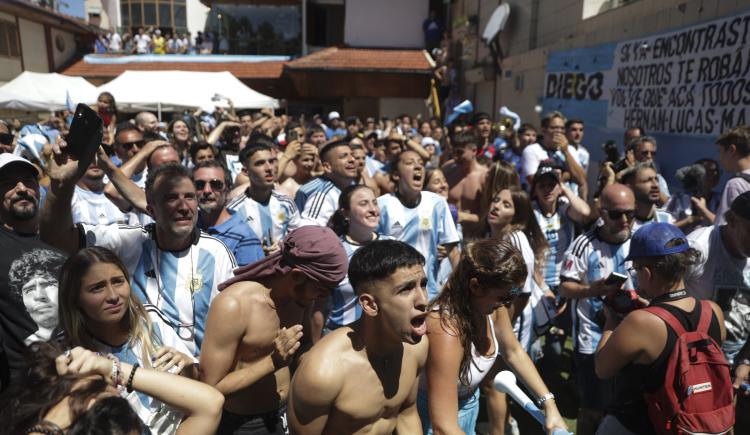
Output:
(468, 326)
(98, 312)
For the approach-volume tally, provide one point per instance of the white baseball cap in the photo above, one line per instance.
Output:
(333, 115)
(429, 141)
(8, 159)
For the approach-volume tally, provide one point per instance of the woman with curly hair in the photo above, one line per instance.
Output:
(466, 338)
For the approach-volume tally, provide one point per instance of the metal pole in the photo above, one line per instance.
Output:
(304, 27)
(158, 110)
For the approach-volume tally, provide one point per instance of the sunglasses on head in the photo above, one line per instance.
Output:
(130, 145)
(6, 138)
(215, 184)
(618, 214)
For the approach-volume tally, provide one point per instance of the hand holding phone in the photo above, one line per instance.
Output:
(85, 134)
(615, 278)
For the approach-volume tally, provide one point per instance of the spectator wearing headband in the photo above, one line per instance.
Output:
(269, 302)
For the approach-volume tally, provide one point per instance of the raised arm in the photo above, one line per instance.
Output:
(130, 195)
(135, 165)
(579, 211)
(201, 403)
(56, 219)
(219, 130)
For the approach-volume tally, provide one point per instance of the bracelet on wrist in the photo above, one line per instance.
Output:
(116, 374)
(129, 386)
(544, 398)
(744, 361)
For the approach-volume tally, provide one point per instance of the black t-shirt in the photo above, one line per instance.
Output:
(28, 297)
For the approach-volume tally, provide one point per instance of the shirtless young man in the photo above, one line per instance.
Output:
(254, 327)
(466, 177)
(362, 378)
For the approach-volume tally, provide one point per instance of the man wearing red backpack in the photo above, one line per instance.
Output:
(670, 374)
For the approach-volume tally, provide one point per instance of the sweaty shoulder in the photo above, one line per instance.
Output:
(245, 297)
(328, 363)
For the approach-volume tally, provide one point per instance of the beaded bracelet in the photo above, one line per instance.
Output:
(46, 428)
(116, 369)
(129, 386)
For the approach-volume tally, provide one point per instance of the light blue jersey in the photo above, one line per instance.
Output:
(589, 259)
(559, 231)
(424, 227)
(659, 216)
(159, 418)
(270, 221)
(344, 306)
(96, 209)
(373, 166)
(317, 200)
(180, 284)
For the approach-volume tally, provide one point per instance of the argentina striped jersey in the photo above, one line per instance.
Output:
(181, 284)
(276, 217)
(317, 200)
(424, 227)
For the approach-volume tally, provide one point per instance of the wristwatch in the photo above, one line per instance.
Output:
(744, 361)
(546, 397)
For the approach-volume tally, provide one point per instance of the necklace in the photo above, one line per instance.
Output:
(673, 296)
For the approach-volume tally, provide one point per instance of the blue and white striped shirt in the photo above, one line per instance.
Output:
(317, 200)
(181, 284)
(96, 209)
(424, 227)
(588, 259)
(344, 306)
(559, 231)
(274, 218)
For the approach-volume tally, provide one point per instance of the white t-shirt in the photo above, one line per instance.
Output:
(732, 189)
(115, 42)
(588, 259)
(723, 278)
(180, 284)
(142, 43)
(535, 154)
(523, 327)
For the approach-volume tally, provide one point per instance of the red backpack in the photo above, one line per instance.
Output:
(697, 393)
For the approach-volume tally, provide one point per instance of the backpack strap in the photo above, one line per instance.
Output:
(706, 314)
(742, 175)
(668, 318)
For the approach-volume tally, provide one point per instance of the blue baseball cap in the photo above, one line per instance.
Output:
(657, 239)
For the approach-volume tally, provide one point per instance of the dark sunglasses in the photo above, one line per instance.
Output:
(215, 184)
(618, 214)
(130, 145)
(6, 138)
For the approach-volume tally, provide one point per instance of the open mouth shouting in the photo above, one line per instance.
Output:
(419, 325)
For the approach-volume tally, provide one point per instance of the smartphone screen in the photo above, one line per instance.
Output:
(615, 278)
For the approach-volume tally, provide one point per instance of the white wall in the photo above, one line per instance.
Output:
(197, 13)
(61, 57)
(385, 23)
(9, 67)
(33, 46)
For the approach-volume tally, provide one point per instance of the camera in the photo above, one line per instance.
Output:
(610, 151)
(692, 178)
(623, 301)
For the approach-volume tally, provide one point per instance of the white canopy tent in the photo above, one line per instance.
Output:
(177, 90)
(45, 91)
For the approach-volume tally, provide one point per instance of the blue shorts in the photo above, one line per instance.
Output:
(468, 411)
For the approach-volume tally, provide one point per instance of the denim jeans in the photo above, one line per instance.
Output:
(468, 411)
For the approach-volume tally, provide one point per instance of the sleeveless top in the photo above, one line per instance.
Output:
(479, 366)
(628, 405)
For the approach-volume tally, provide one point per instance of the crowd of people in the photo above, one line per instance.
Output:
(262, 273)
(154, 41)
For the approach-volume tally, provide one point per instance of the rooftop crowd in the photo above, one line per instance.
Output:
(262, 273)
